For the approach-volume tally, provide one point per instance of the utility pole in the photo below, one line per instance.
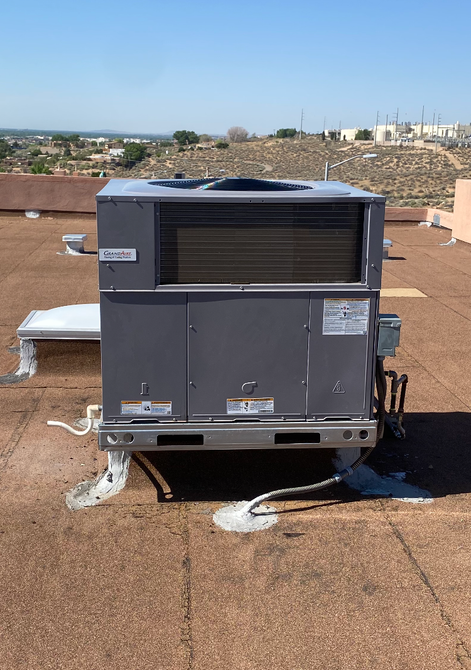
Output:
(436, 136)
(422, 124)
(376, 128)
(386, 130)
(301, 127)
(340, 130)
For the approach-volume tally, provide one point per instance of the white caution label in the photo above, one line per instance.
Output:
(161, 407)
(345, 317)
(250, 405)
(131, 407)
(146, 407)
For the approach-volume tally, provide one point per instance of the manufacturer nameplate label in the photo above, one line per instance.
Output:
(117, 254)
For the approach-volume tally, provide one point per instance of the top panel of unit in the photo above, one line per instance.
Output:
(228, 188)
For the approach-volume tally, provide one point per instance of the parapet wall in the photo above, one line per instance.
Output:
(19, 192)
(49, 193)
(462, 213)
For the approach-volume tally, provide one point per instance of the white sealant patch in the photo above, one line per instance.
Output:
(110, 482)
(369, 483)
(28, 364)
(231, 518)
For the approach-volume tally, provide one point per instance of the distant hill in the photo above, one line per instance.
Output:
(24, 132)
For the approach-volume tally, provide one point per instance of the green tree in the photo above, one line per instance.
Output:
(221, 145)
(119, 139)
(286, 132)
(205, 138)
(364, 134)
(73, 138)
(186, 137)
(5, 149)
(39, 167)
(36, 152)
(58, 137)
(93, 143)
(134, 152)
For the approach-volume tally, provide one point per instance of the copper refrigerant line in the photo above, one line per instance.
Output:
(395, 418)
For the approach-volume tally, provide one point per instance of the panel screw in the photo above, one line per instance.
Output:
(112, 288)
(306, 326)
(303, 383)
(109, 197)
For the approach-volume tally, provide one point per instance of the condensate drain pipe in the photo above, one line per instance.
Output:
(91, 409)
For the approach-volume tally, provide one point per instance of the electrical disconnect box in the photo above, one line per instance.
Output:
(238, 313)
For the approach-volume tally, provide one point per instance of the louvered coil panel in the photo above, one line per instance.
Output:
(224, 243)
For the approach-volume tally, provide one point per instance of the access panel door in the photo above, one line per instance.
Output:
(341, 350)
(247, 356)
(143, 351)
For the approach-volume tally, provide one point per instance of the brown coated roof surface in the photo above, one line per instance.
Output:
(146, 581)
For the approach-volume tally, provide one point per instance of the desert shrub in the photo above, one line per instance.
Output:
(221, 145)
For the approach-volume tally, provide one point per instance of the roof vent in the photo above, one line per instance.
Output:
(74, 244)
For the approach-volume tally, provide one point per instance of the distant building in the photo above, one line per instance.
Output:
(395, 131)
(398, 131)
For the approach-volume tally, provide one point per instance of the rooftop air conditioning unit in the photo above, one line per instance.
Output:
(238, 313)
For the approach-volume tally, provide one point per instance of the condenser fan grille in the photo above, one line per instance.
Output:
(222, 243)
(232, 184)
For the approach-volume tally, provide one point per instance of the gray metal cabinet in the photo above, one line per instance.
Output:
(143, 342)
(235, 340)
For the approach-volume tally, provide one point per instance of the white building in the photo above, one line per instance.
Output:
(394, 131)
(397, 131)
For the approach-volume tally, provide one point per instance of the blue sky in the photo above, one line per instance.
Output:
(154, 66)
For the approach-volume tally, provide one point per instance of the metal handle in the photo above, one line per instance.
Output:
(252, 384)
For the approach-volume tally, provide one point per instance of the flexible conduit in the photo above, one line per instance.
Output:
(338, 476)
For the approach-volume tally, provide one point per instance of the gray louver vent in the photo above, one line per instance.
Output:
(219, 243)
